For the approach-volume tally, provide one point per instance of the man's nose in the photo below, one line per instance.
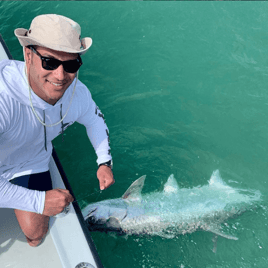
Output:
(59, 73)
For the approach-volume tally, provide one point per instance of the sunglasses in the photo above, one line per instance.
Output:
(69, 66)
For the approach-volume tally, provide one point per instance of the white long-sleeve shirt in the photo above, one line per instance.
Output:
(26, 145)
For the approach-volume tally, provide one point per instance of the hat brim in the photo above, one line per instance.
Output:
(28, 41)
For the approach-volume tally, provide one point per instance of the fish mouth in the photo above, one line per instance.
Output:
(94, 223)
(111, 224)
(89, 215)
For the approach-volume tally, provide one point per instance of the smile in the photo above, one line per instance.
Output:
(57, 85)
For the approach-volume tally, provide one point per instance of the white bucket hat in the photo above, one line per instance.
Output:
(55, 32)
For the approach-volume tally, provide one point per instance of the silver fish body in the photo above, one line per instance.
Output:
(173, 211)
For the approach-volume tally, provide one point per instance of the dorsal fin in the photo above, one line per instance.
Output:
(216, 180)
(171, 186)
(134, 190)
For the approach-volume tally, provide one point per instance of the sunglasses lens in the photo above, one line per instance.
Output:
(50, 64)
(70, 66)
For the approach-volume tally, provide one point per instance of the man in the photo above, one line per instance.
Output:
(37, 99)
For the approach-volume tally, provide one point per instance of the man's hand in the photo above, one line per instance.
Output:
(56, 200)
(105, 177)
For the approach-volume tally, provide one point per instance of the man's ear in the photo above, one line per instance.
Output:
(27, 54)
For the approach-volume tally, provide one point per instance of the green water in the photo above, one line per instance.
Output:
(182, 86)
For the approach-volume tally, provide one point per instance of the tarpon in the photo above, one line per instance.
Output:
(172, 211)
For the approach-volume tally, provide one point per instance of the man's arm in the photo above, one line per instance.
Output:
(14, 196)
(48, 203)
(98, 134)
(17, 197)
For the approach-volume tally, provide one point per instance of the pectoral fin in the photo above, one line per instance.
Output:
(215, 240)
(216, 230)
(113, 223)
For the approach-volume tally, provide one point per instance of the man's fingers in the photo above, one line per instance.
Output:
(63, 190)
(67, 194)
(104, 184)
(105, 177)
(56, 200)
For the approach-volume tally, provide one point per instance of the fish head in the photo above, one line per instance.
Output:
(105, 215)
(108, 215)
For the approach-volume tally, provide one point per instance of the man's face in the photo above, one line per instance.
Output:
(48, 85)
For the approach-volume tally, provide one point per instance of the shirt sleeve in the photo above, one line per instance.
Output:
(18, 197)
(97, 129)
(4, 115)
(14, 196)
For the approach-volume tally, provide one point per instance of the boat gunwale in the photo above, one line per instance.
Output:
(77, 210)
(5, 47)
